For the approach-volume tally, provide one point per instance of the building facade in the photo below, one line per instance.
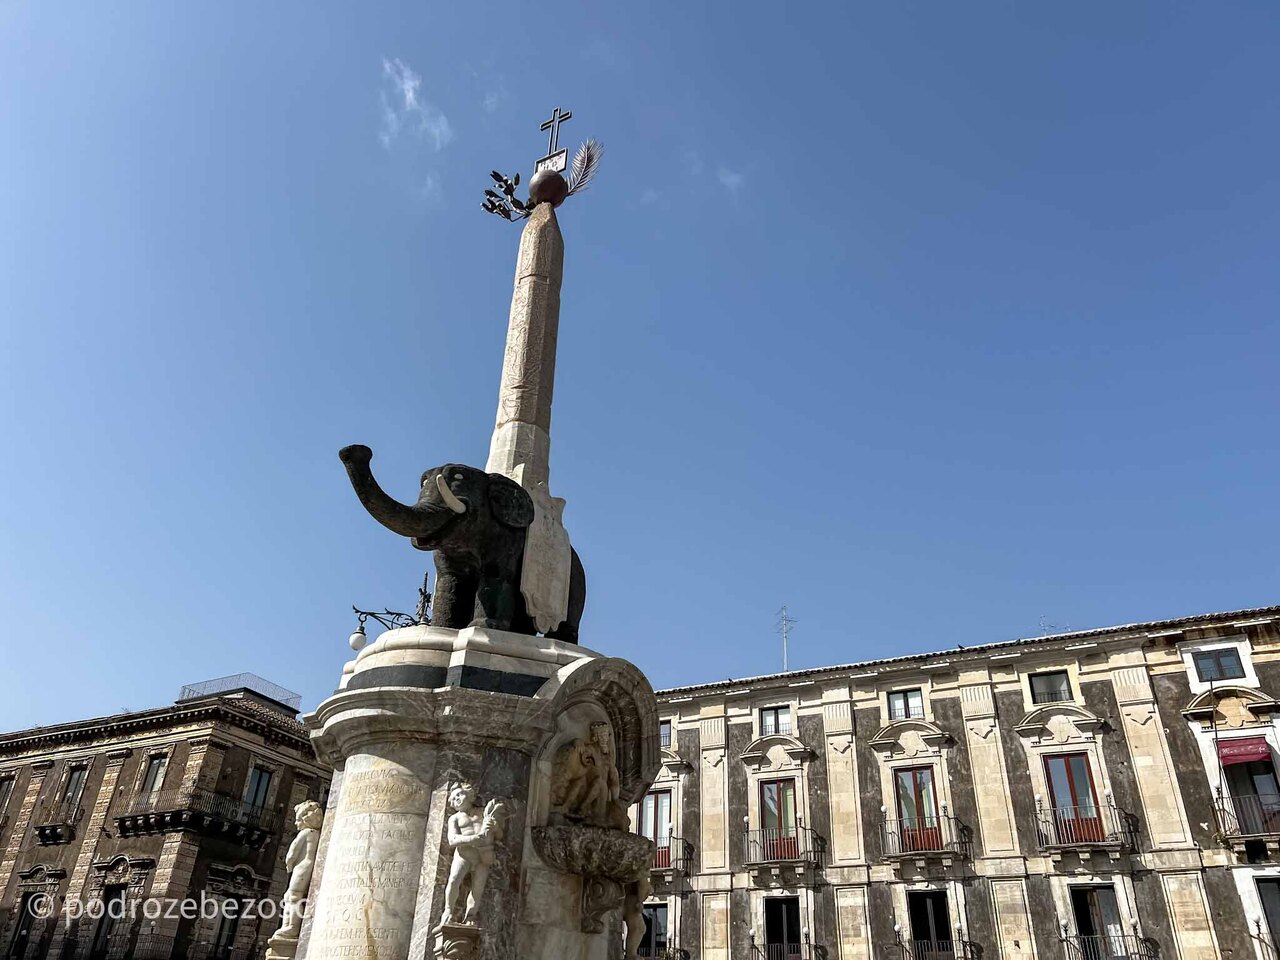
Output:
(1098, 794)
(153, 808)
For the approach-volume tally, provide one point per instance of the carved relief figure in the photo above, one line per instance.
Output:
(472, 834)
(300, 861)
(584, 781)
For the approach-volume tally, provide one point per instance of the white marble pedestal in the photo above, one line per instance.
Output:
(425, 707)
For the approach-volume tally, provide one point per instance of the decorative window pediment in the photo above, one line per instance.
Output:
(1060, 723)
(237, 880)
(912, 737)
(673, 765)
(1231, 707)
(41, 874)
(777, 751)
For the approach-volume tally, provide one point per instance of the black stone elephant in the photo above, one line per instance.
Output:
(475, 523)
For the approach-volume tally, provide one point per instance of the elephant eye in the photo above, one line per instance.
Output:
(457, 476)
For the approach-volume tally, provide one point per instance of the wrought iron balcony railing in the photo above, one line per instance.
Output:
(796, 844)
(200, 809)
(56, 822)
(916, 836)
(1111, 947)
(150, 947)
(673, 853)
(1248, 816)
(781, 951)
(666, 953)
(902, 949)
(1095, 825)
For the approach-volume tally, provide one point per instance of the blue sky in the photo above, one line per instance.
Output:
(931, 321)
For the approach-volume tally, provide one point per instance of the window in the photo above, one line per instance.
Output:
(1269, 894)
(918, 824)
(113, 913)
(655, 823)
(782, 927)
(775, 720)
(654, 943)
(255, 794)
(225, 940)
(1051, 687)
(6, 791)
(1255, 796)
(75, 786)
(1076, 818)
(778, 838)
(22, 929)
(153, 779)
(930, 924)
(1101, 934)
(664, 732)
(1223, 664)
(906, 703)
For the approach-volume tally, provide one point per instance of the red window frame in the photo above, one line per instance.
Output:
(1075, 824)
(921, 832)
(660, 837)
(781, 840)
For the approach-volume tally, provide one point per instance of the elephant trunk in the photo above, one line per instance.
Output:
(391, 513)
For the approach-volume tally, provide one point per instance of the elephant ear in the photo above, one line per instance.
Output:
(509, 501)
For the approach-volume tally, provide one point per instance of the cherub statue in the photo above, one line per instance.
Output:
(299, 861)
(633, 914)
(584, 781)
(472, 834)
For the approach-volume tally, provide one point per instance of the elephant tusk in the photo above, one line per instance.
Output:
(450, 501)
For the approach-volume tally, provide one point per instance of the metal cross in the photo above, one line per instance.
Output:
(557, 118)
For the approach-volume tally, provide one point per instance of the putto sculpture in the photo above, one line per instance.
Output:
(300, 861)
(584, 782)
(472, 834)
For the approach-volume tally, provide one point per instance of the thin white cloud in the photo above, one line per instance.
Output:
(404, 109)
(649, 196)
(732, 180)
(693, 162)
(493, 99)
(431, 189)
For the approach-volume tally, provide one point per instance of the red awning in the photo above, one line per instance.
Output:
(1243, 749)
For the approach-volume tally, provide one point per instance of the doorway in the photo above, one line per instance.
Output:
(930, 917)
(1099, 930)
(782, 928)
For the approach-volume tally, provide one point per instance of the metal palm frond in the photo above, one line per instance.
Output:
(585, 162)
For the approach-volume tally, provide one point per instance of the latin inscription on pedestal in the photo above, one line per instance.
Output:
(374, 863)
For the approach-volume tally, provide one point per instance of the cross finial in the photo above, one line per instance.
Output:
(553, 139)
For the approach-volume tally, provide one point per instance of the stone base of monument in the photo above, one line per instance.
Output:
(537, 852)
(282, 948)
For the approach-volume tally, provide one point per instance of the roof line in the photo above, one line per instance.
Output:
(980, 648)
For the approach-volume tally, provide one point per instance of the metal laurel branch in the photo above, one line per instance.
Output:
(506, 205)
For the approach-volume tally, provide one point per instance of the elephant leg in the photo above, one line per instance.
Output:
(568, 631)
(454, 600)
(495, 605)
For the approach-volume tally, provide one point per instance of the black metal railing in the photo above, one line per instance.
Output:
(663, 953)
(1261, 936)
(902, 949)
(907, 836)
(150, 947)
(673, 853)
(1094, 825)
(1250, 815)
(1039, 697)
(1111, 947)
(227, 807)
(664, 736)
(773, 728)
(781, 951)
(787, 844)
(60, 813)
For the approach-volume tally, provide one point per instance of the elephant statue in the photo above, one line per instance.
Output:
(475, 523)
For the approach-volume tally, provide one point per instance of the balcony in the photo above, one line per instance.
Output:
(1103, 828)
(932, 950)
(56, 822)
(1111, 947)
(669, 953)
(200, 810)
(796, 850)
(941, 838)
(672, 858)
(1249, 820)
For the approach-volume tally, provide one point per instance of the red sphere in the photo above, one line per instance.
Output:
(548, 186)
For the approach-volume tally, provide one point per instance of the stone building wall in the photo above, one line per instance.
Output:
(154, 845)
(1143, 862)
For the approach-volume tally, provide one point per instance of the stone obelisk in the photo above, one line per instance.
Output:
(521, 443)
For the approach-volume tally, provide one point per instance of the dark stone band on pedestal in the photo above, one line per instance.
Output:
(427, 677)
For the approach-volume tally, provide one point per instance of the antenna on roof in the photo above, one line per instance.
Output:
(784, 624)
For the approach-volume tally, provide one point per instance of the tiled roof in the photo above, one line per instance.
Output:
(967, 652)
